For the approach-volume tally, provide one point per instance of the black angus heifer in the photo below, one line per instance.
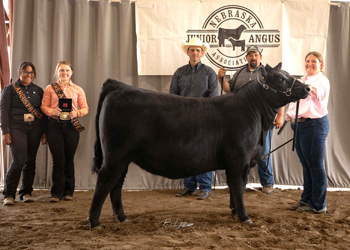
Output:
(177, 137)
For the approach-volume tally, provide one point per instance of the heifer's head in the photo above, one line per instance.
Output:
(288, 88)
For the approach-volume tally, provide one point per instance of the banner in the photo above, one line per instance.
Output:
(285, 31)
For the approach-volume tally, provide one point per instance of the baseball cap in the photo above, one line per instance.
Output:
(254, 48)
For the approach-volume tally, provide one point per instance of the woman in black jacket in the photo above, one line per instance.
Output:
(22, 125)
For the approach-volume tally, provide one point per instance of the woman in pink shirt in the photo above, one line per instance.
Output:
(63, 129)
(313, 128)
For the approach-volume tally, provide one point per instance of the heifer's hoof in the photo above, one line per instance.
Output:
(117, 218)
(98, 228)
(124, 221)
(247, 222)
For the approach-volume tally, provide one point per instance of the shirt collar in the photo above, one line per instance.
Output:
(304, 78)
(196, 66)
(20, 84)
(70, 82)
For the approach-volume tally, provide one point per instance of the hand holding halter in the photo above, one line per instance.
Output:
(222, 80)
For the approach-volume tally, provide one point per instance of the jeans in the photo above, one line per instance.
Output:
(25, 140)
(204, 180)
(265, 165)
(63, 141)
(310, 147)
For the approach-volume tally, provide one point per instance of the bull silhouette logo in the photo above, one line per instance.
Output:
(65, 105)
(237, 43)
(238, 27)
(232, 35)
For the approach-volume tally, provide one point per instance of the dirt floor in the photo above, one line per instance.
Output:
(157, 220)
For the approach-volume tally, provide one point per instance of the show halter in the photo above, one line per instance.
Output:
(287, 92)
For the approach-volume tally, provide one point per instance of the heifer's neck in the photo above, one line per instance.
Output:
(268, 110)
(258, 100)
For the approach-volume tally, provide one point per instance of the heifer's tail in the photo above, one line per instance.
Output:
(96, 164)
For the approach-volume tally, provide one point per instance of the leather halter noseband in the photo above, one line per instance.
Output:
(287, 92)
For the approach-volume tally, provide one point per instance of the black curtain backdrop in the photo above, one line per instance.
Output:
(99, 39)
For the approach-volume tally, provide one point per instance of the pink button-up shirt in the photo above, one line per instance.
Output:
(315, 105)
(71, 91)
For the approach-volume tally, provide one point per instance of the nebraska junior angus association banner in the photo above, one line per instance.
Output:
(228, 29)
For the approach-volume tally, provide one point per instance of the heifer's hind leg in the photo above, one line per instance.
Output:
(106, 180)
(116, 198)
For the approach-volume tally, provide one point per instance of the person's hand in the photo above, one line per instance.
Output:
(6, 138)
(278, 122)
(43, 139)
(221, 73)
(56, 112)
(73, 114)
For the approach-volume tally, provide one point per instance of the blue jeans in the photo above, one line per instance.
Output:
(265, 165)
(310, 147)
(204, 181)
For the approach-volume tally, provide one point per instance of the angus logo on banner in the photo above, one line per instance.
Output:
(229, 30)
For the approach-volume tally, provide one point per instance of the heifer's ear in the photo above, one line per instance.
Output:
(268, 67)
(278, 66)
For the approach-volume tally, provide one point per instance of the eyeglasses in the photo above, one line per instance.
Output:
(27, 73)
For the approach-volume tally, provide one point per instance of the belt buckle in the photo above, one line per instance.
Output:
(64, 116)
(29, 117)
(301, 119)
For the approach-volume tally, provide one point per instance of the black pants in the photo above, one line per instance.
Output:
(25, 140)
(63, 141)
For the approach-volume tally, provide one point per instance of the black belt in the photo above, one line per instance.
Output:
(17, 117)
(21, 117)
(53, 119)
(301, 119)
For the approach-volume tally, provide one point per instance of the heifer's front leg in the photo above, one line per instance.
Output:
(236, 182)
(116, 199)
(232, 203)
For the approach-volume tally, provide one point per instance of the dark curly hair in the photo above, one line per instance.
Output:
(24, 65)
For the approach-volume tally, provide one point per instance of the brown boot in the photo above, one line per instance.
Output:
(9, 201)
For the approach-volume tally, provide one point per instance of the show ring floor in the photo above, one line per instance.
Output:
(155, 219)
